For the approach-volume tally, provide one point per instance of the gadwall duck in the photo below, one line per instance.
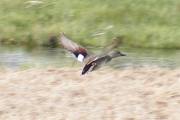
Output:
(92, 62)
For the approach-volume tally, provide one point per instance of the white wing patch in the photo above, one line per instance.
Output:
(80, 57)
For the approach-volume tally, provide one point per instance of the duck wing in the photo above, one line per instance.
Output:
(113, 45)
(95, 64)
(79, 52)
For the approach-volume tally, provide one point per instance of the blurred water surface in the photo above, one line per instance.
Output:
(22, 58)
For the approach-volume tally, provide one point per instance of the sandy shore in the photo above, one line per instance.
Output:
(63, 94)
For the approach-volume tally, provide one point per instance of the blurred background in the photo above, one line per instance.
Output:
(39, 80)
(149, 31)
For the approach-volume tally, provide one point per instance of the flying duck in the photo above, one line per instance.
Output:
(91, 62)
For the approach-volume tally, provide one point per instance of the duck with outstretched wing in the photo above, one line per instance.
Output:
(91, 61)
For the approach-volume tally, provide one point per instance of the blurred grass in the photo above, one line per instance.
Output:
(143, 23)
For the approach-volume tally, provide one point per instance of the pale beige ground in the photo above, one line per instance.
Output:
(107, 94)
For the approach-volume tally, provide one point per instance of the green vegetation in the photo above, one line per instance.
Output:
(143, 23)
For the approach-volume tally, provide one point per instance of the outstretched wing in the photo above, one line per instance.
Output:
(113, 45)
(79, 52)
(95, 64)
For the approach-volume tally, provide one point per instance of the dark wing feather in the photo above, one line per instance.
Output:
(87, 67)
(95, 64)
(73, 47)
